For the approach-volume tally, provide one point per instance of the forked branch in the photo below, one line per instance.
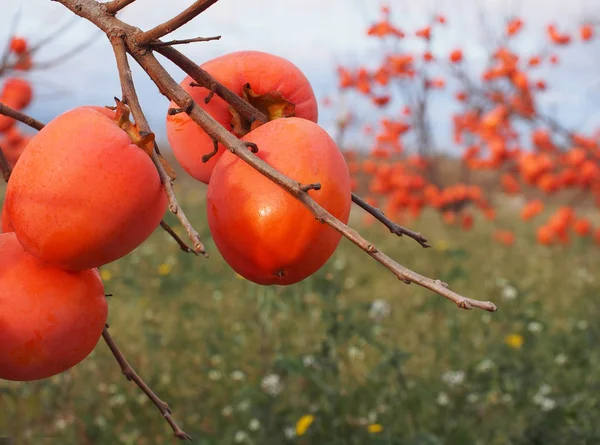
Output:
(131, 99)
(176, 22)
(394, 228)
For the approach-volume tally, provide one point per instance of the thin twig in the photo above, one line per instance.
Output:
(131, 375)
(394, 228)
(131, 98)
(183, 41)
(197, 8)
(176, 237)
(7, 52)
(202, 78)
(66, 55)
(4, 166)
(115, 6)
(27, 120)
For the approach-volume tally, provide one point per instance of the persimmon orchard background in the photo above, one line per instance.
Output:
(350, 355)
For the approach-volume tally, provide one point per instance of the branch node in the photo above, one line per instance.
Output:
(252, 146)
(306, 187)
(211, 93)
(206, 157)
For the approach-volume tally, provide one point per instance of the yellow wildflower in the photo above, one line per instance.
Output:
(375, 428)
(105, 274)
(515, 341)
(442, 245)
(304, 423)
(164, 269)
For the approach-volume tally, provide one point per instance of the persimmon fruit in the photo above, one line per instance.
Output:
(18, 45)
(50, 319)
(18, 92)
(263, 232)
(83, 194)
(270, 83)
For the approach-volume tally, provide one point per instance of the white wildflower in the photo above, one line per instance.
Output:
(272, 384)
(214, 375)
(308, 361)
(254, 425)
(509, 292)
(485, 365)
(535, 327)
(560, 359)
(240, 436)
(355, 353)
(443, 399)
(379, 309)
(238, 376)
(453, 378)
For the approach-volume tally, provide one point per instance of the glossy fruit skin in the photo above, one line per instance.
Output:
(265, 73)
(264, 233)
(82, 194)
(50, 319)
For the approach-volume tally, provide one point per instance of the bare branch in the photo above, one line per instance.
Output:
(197, 8)
(130, 97)
(184, 41)
(394, 228)
(131, 375)
(6, 52)
(27, 120)
(176, 237)
(4, 166)
(67, 55)
(115, 6)
(58, 32)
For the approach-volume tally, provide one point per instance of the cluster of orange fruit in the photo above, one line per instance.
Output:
(488, 128)
(85, 192)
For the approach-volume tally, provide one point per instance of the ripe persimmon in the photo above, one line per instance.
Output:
(262, 231)
(50, 319)
(18, 92)
(84, 194)
(270, 83)
(18, 45)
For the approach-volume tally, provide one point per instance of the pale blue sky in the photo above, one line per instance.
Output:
(314, 34)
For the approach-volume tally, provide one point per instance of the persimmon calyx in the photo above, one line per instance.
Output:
(273, 104)
(142, 139)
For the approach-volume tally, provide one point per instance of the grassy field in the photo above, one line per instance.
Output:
(349, 356)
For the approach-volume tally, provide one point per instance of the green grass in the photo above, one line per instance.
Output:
(427, 372)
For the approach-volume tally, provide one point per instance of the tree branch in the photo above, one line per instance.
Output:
(4, 167)
(394, 228)
(27, 120)
(178, 21)
(115, 6)
(204, 79)
(184, 41)
(131, 375)
(131, 99)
